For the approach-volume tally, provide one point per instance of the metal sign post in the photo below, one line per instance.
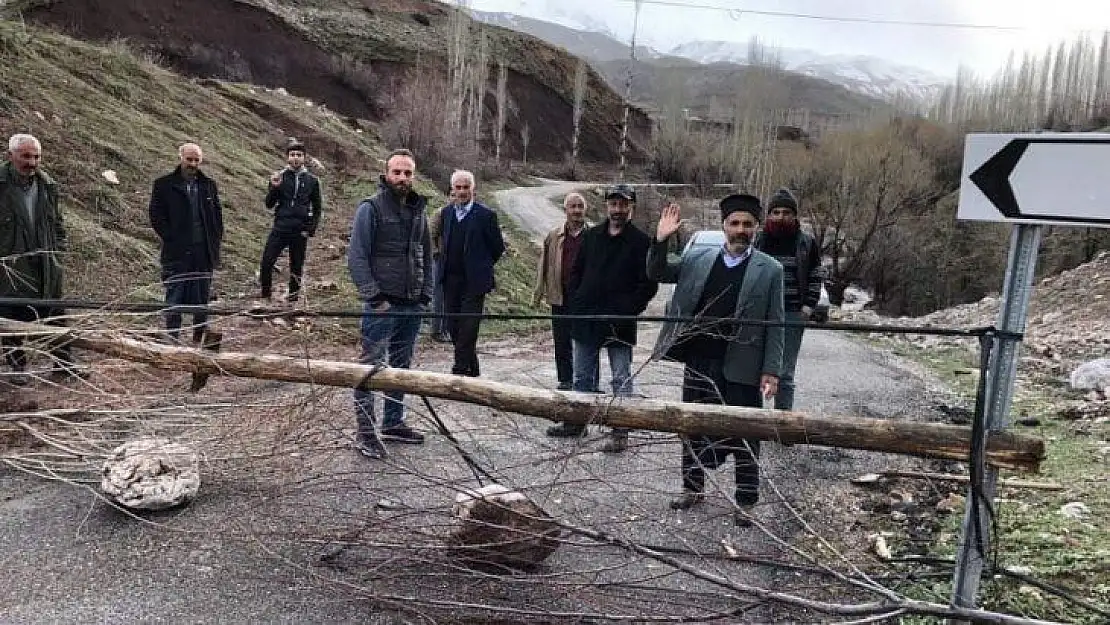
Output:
(1029, 180)
(1017, 290)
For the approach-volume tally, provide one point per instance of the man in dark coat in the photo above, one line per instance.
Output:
(608, 278)
(471, 244)
(31, 237)
(390, 261)
(186, 214)
(297, 203)
(726, 363)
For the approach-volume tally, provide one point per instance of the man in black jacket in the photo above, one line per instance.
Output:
(295, 198)
(185, 211)
(609, 277)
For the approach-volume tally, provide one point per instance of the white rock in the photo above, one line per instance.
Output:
(1091, 375)
(879, 546)
(281, 91)
(1075, 510)
(110, 175)
(40, 116)
(151, 474)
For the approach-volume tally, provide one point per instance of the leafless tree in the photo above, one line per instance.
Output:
(581, 75)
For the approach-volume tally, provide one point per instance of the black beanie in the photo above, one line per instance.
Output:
(294, 145)
(783, 198)
(741, 202)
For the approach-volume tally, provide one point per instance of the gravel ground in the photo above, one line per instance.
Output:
(292, 526)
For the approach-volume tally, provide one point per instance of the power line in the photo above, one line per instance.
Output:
(737, 13)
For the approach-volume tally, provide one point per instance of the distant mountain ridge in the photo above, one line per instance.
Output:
(584, 36)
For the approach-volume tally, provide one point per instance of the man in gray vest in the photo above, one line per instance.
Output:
(32, 235)
(390, 260)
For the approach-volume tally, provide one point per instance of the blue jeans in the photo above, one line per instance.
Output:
(792, 344)
(587, 361)
(391, 339)
(187, 289)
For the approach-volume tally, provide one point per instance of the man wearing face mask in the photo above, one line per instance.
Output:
(390, 261)
(560, 248)
(608, 278)
(783, 239)
(725, 362)
(295, 198)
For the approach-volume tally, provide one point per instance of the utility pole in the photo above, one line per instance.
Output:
(628, 96)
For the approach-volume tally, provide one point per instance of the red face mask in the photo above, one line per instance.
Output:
(776, 228)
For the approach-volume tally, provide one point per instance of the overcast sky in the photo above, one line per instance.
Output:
(940, 50)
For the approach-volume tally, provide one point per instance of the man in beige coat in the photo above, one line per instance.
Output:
(559, 251)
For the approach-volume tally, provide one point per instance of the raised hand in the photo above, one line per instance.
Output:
(670, 220)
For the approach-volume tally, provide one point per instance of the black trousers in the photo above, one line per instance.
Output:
(276, 243)
(14, 353)
(703, 383)
(464, 332)
(564, 350)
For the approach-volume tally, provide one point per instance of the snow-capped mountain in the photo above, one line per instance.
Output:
(586, 33)
(863, 74)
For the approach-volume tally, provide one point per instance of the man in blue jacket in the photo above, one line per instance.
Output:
(471, 246)
(390, 260)
(296, 200)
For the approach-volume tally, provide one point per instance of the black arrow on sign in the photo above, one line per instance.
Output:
(993, 179)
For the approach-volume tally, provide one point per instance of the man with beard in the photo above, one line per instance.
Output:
(32, 235)
(726, 362)
(783, 239)
(390, 260)
(295, 198)
(471, 244)
(186, 214)
(560, 248)
(608, 278)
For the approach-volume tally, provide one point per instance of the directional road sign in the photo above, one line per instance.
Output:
(1037, 178)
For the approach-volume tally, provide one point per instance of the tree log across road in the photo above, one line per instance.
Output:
(914, 438)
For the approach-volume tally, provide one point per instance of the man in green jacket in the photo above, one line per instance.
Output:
(726, 362)
(31, 237)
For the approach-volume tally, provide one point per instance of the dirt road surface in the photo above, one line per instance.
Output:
(293, 527)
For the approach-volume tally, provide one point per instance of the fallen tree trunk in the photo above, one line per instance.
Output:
(928, 440)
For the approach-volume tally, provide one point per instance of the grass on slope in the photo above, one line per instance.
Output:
(97, 108)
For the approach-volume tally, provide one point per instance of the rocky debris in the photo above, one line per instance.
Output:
(151, 474)
(1092, 376)
(952, 503)
(1075, 510)
(502, 528)
(1068, 331)
(879, 546)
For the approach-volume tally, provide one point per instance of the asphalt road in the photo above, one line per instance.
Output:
(282, 488)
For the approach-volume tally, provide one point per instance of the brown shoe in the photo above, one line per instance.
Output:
(687, 501)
